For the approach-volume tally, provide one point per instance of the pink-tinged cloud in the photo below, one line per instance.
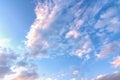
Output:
(108, 49)
(26, 75)
(116, 62)
(44, 16)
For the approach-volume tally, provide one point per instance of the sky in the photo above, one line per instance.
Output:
(59, 40)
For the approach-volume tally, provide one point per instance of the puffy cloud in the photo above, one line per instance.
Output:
(53, 27)
(44, 15)
(116, 62)
(114, 76)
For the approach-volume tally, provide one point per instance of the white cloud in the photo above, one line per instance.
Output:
(73, 79)
(109, 21)
(114, 76)
(109, 13)
(73, 34)
(116, 62)
(81, 52)
(4, 42)
(85, 48)
(114, 26)
(76, 72)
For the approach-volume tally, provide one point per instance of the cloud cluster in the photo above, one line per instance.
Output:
(56, 30)
(61, 28)
(22, 70)
(12, 66)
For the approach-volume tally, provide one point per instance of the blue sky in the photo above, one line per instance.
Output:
(59, 40)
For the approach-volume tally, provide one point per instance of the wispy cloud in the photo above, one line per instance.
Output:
(116, 62)
(59, 25)
(111, 48)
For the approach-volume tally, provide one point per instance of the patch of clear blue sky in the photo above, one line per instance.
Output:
(16, 17)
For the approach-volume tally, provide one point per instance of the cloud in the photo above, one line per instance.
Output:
(49, 79)
(4, 42)
(114, 76)
(26, 75)
(7, 59)
(86, 47)
(76, 72)
(23, 70)
(72, 33)
(110, 48)
(44, 15)
(116, 62)
(14, 67)
(61, 28)
(73, 79)
(109, 21)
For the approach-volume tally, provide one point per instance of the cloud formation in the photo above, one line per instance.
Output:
(62, 26)
(44, 15)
